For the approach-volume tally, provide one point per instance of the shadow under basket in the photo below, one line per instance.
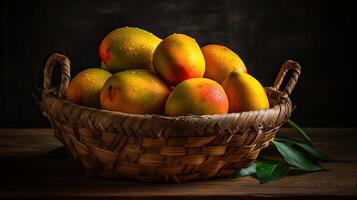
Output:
(158, 148)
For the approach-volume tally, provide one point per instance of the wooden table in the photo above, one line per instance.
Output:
(31, 168)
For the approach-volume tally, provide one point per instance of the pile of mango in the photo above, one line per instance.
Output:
(143, 74)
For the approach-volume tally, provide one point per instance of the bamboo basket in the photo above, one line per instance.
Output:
(159, 148)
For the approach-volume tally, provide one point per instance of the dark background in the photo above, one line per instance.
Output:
(319, 34)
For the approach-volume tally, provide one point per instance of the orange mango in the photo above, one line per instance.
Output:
(177, 58)
(244, 92)
(220, 61)
(198, 96)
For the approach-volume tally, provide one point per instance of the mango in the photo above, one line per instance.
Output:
(220, 62)
(197, 96)
(177, 58)
(244, 92)
(84, 89)
(135, 91)
(128, 48)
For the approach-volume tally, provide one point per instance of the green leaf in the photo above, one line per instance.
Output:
(245, 172)
(296, 158)
(300, 130)
(306, 147)
(270, 171)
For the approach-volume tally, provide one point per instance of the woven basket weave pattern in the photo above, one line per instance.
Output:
(158, 148)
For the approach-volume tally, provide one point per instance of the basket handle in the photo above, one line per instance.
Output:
(65, 77)
(287, 66)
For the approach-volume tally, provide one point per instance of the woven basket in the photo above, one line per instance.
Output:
(159, 148)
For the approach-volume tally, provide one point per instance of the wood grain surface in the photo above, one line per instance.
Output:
(33, 166)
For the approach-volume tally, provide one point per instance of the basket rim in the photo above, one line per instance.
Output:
(59, 110)
(174, 118)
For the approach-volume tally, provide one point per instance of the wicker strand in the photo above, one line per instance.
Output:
(296, 70)
(65, 78)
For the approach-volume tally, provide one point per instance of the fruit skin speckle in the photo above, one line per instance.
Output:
(198, 96)
(84, 88)
(128, 48)
(135, 91)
